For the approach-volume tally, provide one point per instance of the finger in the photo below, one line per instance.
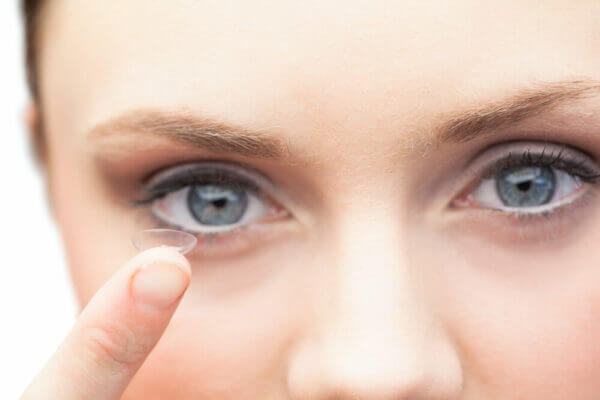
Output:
(116, 331)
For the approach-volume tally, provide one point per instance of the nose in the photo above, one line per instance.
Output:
(374, 337)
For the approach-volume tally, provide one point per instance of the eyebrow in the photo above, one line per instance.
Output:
(189, 129)
(461, 127)
(527, 103)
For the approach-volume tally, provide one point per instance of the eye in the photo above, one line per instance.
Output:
(531, 179)
(526, 187)
(210, 198)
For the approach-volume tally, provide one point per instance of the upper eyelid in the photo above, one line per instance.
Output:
(243, 171)
(180, 179)
(576, 166)
(486, 161)
(252, 179)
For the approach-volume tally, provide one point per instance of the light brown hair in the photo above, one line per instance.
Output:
(31, 10)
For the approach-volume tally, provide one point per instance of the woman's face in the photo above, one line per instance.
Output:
(393, 200)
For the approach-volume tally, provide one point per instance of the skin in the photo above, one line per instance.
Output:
(374, 288)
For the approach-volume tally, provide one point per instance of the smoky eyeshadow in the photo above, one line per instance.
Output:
(521, 153)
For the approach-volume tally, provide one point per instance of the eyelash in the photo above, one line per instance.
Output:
(198, 175)
(569, 163)
(193, 177)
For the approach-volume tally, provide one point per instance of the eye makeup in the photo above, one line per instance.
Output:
(216, 172)
(560, 156)
(201, 198)
(547, 223)
(495, 159)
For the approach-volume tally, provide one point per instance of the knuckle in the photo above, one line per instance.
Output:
(113, 345)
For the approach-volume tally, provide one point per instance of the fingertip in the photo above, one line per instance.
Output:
(163, 254)
(158, 286)
(118, 328)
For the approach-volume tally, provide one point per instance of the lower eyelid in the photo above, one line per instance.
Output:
(236, 241)
(466, 202)
(519, 231)
(547, 209)
(242, 239)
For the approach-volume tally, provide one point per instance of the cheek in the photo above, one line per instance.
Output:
(95, 230)
(226, 356)
(527, 325)
(231, 344)
(229, 336)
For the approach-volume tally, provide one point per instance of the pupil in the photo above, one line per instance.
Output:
(217, 204)
(220, 203)
(524, 186)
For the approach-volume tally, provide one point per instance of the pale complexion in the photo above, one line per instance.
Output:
(377, 276)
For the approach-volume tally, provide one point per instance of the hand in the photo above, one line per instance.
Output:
(116, 331)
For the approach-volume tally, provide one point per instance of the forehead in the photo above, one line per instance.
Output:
(345, 67)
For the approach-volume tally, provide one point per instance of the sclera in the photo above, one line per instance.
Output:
(182, 241)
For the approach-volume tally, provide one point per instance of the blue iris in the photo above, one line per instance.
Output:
(217, 204)
(526, 186)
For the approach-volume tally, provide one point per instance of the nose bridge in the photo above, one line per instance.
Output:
(377, 300)
(371, 280)
(373, 337)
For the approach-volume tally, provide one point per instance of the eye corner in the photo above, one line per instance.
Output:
(461, 201)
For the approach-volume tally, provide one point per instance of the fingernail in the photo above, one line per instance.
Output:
(158, 285)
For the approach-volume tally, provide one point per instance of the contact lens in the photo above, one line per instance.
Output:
(182, 241)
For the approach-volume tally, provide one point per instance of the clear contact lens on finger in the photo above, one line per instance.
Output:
(182, 241)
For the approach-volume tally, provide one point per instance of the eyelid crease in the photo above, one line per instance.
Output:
(226, 165)
(518, 152)
(227, 173)
(570, 162)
